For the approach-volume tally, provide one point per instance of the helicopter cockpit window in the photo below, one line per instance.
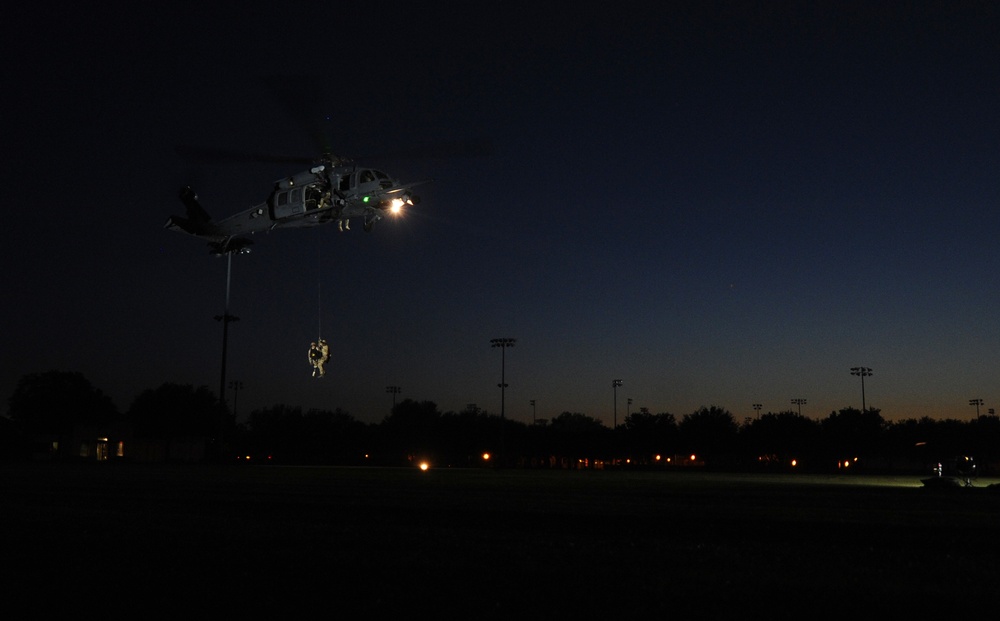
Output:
(282, 198)
(383, 180)
(366, 176)
(296, 196)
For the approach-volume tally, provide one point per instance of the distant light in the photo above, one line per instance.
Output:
(692, 457)
(795, 462)
(424, 466)
(657, 458)
(486, 456)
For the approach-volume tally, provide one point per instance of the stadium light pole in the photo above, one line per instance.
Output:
(863, 372)
(800, 403)
(503, 344)
(757, 406)
(977, 403)
(394, 390)
(614, 386)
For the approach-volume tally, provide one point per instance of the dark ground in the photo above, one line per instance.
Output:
(157, 541)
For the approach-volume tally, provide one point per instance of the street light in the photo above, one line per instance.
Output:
(863, 372)
(614, 385)
(977, 403)
(757, 406)
(532, 411)
(800, 403)
(395, 390)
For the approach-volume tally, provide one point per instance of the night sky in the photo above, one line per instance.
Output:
(719, 203)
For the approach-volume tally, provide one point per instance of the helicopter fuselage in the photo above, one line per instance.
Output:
(320, 195)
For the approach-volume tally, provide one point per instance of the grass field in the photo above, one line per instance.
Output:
(159, 541)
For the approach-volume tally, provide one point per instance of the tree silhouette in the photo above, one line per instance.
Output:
(774, 440)
(173, 412)
(576, 436)
(851, 433)
(647, 435)
(411, 429)
(56, 405)
(710, 433)
(275, 433)
(283, 434)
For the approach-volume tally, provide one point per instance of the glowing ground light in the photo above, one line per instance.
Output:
(486, 456)
(424, 466)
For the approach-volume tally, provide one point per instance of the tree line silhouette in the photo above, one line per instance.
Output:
(51, 412)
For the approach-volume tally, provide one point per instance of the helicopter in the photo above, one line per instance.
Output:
(332, 190)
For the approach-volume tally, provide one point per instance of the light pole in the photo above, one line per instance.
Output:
(863, 372)
(800, 403)
(977, 403)
(394, 390)
(532, 411)
(614, 385)
(628, 408)
(225, 318)
(757, 406)
(503, 344)
(237, 386)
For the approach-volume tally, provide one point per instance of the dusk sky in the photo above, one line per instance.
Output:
(719, 203)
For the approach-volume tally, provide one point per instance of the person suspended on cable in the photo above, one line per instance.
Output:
(324, 355)
(315, 355)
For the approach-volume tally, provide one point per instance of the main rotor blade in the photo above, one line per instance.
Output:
(477, 147)
(210, 154)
